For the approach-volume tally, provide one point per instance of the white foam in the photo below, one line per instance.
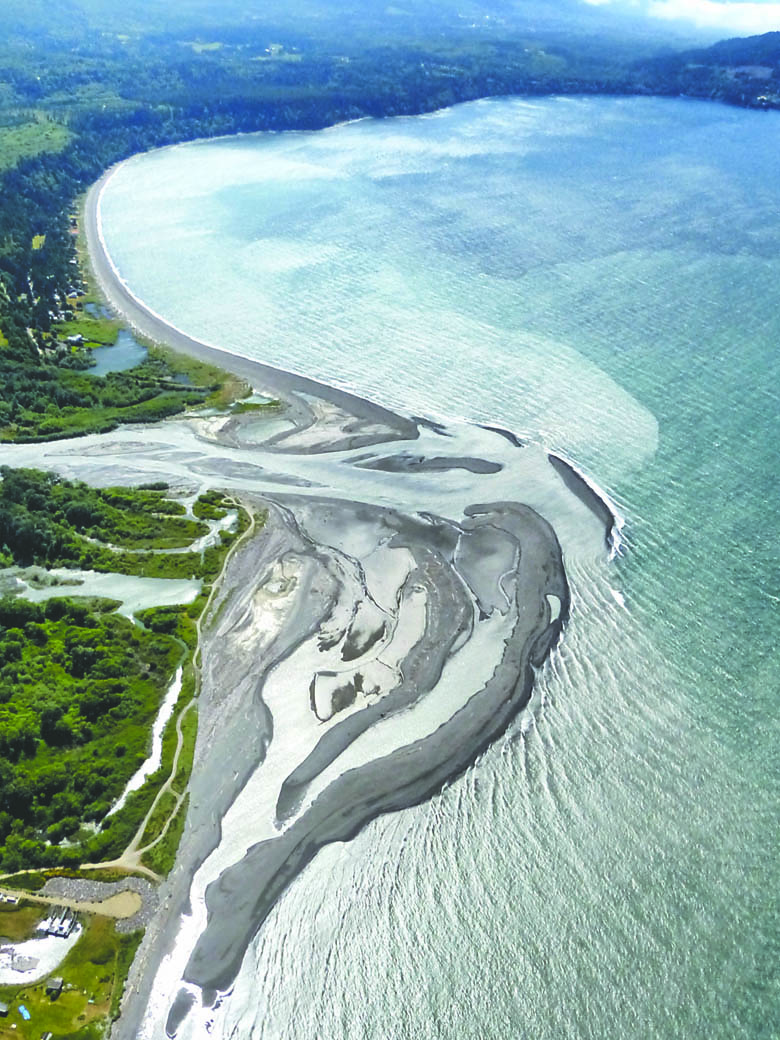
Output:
(615, 537)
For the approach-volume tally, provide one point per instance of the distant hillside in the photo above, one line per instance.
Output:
(743, 71)
(753, 50)
(337, 20)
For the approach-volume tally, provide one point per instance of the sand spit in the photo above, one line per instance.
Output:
(240, 900)
(378, 633)
(357, 421)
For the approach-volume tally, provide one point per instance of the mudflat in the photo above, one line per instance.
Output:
(365, 646)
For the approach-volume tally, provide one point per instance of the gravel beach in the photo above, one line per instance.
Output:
(334, 652)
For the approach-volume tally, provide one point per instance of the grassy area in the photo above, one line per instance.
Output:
(189, 732)
(227, 388)
(162, 857)
(38, 242)
(94, 974)
(128, 945)
(107, 874)
(159, 817)
(29, 139)
(271, 405)
(140, 802)
(95, 329)
(18, 922)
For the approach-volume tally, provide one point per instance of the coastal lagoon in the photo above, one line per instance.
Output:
(602, 277)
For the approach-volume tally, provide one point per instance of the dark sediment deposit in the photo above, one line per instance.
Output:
(363, 647)
(241, 899)
(585, 493)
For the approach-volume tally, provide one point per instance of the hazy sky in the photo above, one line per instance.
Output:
(736, 17)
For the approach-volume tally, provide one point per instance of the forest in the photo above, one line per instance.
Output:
(51, 522)
(79, 687)
(79, 683)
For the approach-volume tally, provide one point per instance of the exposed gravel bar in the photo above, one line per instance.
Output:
(88, 891)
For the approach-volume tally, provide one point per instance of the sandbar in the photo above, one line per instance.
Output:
(391, 607)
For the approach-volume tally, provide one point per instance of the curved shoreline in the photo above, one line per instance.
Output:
(477, 557)
(147, 322)
(595, 498)
(288, 384)
(243, 896)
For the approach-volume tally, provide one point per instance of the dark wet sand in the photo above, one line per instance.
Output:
(406, 463)
(462, 567)
(585, 494)
(241, 899)
(284, 385)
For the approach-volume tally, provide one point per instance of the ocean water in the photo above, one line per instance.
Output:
(602, 276)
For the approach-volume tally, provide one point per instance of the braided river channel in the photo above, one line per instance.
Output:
(602, 278)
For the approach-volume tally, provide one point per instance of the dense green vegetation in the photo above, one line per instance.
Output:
(74, 101)
(52, 522)
(79, 689)
(161, 856)
(127, 946)
(34, 880)
(83, 85)
(49, 521)
(80, 684)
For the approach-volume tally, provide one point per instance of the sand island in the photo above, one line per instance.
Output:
(363, 646)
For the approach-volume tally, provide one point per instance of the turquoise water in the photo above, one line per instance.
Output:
(602, 275)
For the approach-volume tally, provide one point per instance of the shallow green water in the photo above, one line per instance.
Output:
(602, 275)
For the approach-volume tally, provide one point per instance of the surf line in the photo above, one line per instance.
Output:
(595, 498)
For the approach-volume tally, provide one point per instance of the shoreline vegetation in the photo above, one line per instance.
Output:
(233, 643)
(164, 384)
(79, 684)
(96, 969)
(80, 688)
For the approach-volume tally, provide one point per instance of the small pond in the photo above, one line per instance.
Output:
(126, 353)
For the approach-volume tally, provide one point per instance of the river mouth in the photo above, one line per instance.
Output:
(365, 618)
(399, 555)
(597, 277)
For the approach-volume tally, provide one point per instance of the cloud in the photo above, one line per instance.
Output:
(747, 18)
(743, 18)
